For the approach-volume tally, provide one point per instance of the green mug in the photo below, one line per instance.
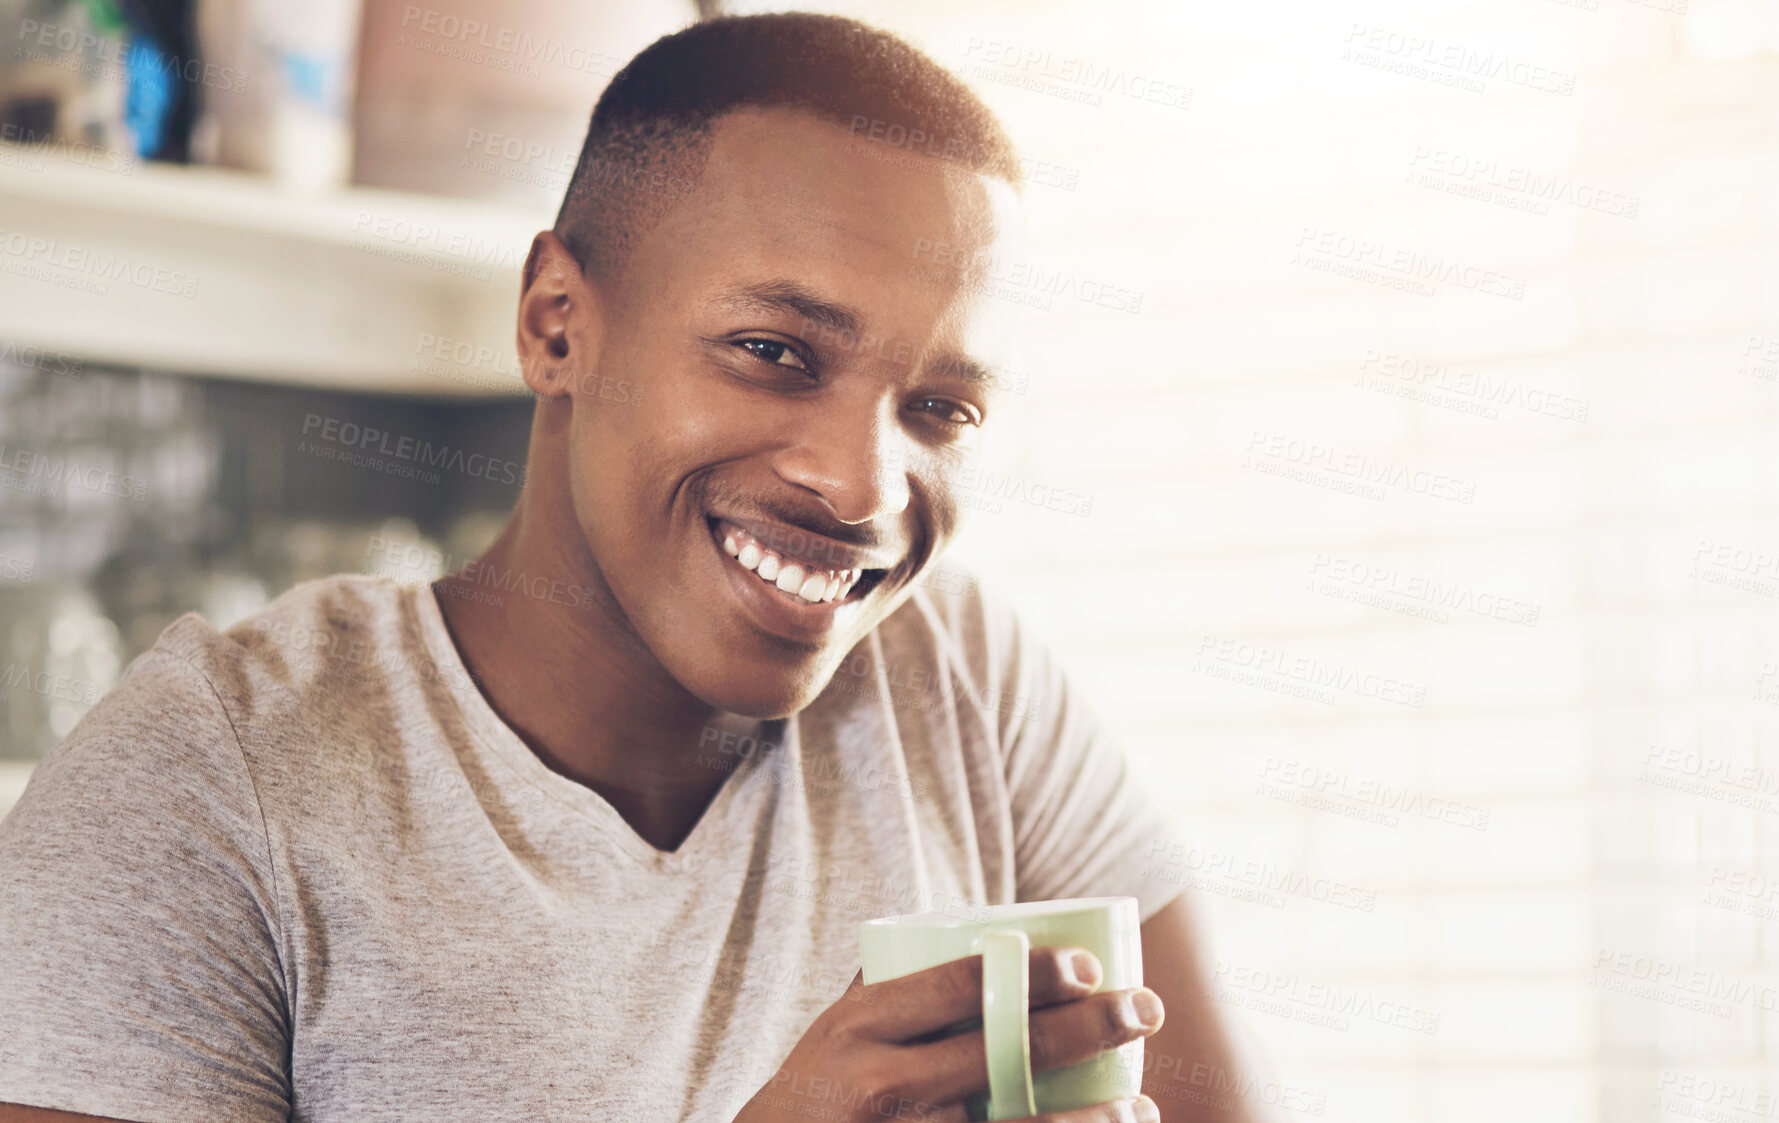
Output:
(1004, 935)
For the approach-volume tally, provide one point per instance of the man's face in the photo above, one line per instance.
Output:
(811, 365)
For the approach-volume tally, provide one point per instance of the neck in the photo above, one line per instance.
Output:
(577, 684)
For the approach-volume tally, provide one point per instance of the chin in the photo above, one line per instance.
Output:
(763, 696)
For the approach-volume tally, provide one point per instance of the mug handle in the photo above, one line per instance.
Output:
(1006, 1035)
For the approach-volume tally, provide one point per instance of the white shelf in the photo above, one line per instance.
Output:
(214, 272)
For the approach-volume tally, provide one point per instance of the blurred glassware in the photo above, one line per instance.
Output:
(398, 551)
(62, 655)
(231, 596)
(471, 533)
(145, 584)
(288, 552)
(228, 516)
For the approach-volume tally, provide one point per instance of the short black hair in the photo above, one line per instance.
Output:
(651, 128)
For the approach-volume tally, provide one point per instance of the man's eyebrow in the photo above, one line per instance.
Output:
(952, 365)
(788, 296)
(844, 319)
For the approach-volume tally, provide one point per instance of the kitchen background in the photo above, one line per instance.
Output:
(1409, 372)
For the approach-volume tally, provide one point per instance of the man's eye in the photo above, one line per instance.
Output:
(954, 413)
(775, 352)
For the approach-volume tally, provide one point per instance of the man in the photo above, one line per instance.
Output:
(598, 846)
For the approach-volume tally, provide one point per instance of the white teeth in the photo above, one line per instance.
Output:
(804, 584)
(790, 579)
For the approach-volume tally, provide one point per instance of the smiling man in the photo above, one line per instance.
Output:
(385, 852)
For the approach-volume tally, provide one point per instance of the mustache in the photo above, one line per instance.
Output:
(813, 523)
(809, 518)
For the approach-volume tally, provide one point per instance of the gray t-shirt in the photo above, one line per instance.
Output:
(302, 870)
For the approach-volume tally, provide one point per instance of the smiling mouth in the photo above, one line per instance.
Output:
(798, 582)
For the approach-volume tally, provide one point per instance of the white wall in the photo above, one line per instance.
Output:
(1577, 591)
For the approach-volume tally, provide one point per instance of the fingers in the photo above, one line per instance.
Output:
(930, 1001)
(1064, 1034)
(1068, 974)
(1137, 1109)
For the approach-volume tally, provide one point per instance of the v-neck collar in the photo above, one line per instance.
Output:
(715, 832)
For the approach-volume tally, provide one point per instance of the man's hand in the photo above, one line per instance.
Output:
(869, 1056)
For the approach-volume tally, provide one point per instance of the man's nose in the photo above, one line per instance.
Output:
(857, 461)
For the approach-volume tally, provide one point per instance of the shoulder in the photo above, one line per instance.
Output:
(278, 669)
(315, 647)
(307, 630)
(162, 723)
(204, 711)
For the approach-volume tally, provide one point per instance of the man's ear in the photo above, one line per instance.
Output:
(560, 326)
